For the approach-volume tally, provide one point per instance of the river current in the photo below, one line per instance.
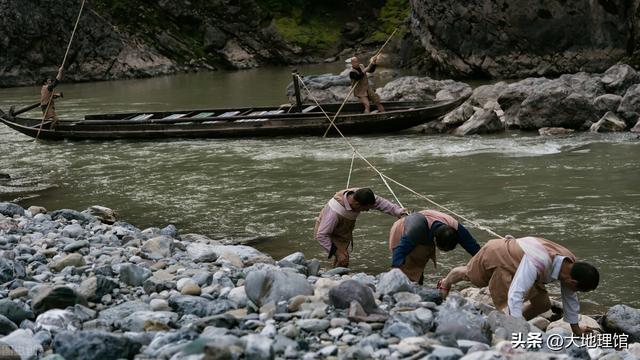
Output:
(582, 191)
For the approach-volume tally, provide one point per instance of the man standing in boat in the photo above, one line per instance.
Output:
(47, 94)
(413, 240)
(335, 224)
(516, 270)
(362, 91)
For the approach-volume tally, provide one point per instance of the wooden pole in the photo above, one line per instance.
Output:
(296, 88)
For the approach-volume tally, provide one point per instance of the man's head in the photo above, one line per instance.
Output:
(445, 237)
(47, 80)
(363, 199)
(584, 277)
(355, 62)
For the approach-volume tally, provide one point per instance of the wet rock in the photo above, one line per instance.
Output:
(18, 293)
(6, 326)
(296, 258)
(101, 345)
(501, 323)
(445, 353)
(607, 102)
(74, 260)
(104, 214)
(158, 247)
(191, 289)
(22, 342)
(15, 311)
(198, 306)
(392, 282)
(625, 319)
(629, 108)
(313, 267)
(159, 305)
(618, 78)
(72, 230)
(258, 347)
(457, 318)
(347, 291)
(133, 275)
(95, 287)
(337, 271)
(142, 320)
(413, 88)
(76, 245)
(313, 325)
(10, 209)
(540, 323)
(555, 131)
(58, 297)
(610, 122)
(57, 320)
(482, 122)
(121, 311)
(238, 296)
(421, 319)
(69, 214)
(636, 128)
(264, 286)
(399, 330)
(584, 322)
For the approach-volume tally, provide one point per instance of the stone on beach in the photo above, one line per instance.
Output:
(264, 286)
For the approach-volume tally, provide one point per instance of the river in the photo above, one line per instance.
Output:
(582, 191)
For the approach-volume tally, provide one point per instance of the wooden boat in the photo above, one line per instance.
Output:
(238, 122)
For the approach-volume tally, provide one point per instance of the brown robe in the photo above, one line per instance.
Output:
(342, 235)
(496, 264)
(45, 95)
(417, 259)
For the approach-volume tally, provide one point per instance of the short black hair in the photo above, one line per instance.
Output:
(45, 79)
(446, 237)
(586, 275)
(364, 196)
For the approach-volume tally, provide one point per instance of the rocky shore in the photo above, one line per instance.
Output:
(597, 102)
(83, 285)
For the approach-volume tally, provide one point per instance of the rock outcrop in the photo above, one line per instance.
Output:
(515, 39)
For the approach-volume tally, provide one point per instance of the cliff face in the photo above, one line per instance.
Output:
(33, 38)
(141, 38)
(518, 38)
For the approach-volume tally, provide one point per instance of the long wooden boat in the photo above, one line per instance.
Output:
(236, 122)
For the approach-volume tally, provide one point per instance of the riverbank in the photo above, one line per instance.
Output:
(79, 283)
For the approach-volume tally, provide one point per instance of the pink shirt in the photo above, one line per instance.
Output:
(330, 218)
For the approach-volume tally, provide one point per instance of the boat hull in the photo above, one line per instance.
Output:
(110, 127)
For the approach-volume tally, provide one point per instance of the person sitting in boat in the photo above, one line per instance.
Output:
(47, 94)
(334, 226)
(362, 91)
(516, 270)
(413, 240)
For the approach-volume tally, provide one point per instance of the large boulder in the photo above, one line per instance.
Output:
(10, 209)
(58, 297)
(342, 295)
(610, 122)
(94, 344)
(210, 252)
(459, 319)
(618, 78)
(624, 319)
(325, 88)
(482, 122)
(392, 282)
(264, 286)
(414, 88)
(629, 108)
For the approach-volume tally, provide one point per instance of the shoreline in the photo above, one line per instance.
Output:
(73, 279)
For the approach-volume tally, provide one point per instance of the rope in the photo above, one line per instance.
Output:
(64, 60)
(356, 83)
(385, 178)
(353, 157)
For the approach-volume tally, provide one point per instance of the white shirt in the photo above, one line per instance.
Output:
(524, 279)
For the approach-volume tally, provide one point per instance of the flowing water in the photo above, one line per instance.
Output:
(582, 191)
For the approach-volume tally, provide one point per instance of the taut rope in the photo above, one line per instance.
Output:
(64, 60)
(385, 177)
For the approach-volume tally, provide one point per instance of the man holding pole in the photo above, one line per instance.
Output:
(362, 91)
(47, 95)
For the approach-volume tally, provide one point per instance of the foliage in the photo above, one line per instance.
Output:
(311, 33)
(392, 15)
